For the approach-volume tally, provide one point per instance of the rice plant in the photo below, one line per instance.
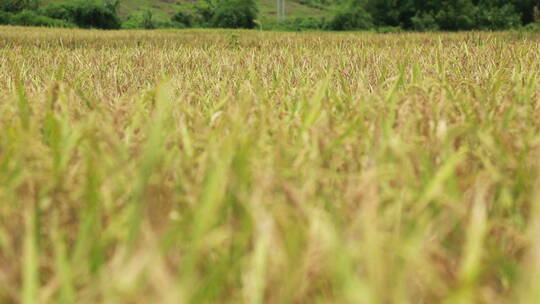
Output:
(178, 167)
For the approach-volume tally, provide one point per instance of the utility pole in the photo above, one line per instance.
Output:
(280, 10)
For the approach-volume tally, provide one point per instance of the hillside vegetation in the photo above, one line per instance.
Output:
(164, 9)
(337, 15)
(213, 166)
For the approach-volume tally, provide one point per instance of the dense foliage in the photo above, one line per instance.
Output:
(18, 5)
(219, 14)
(234, 14)
(418, 15)
(422, 15)
(143, 20)
(450, 15)
(31, 18)
(86, 13)
(352, 16)
(81, 13)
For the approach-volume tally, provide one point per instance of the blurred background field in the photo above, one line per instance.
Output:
(218, 166)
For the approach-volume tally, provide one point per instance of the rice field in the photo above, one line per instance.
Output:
(215, 166)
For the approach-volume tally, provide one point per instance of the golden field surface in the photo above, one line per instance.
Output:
(209, 166)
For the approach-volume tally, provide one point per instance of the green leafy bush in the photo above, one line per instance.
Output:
(301, 24)
(183, 19)
(63, 11)
(424, 22)
(309, 23)
(352, 16)
(86, 14)
(18, 5)
(389, 29)
(430, 15)
(498, 18)
(457, 15)
(31, 18)
(234, 14)
(146, 20)
(217, 13)
(94, 14)
(205, 10)
(5, 17)
(319, 4)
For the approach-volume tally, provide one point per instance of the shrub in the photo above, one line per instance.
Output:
(139, 21)
(63, 11)
(5, 17)
(93, 14)
(424, 22)
(309, 23)
(385, 12)
(457, 15)
(314, 3)
(498, 18)
(163, 23)
(86, 14)
(535, 25)
(219, 13)
(351, 17)
(132, 21)
(234, 14)
(18, 5)
(148, 21)
(31, 18)
(389, 29)
(183, 19)
(205, 11)
(301, 24)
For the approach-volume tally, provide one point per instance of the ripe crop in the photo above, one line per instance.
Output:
(210, 166)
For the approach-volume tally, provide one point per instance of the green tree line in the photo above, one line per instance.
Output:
(103, 14)
(449, 15)
(418, 15)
